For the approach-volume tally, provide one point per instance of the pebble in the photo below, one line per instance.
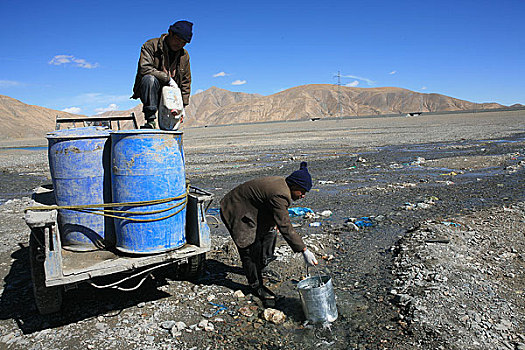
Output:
(167, 324)
(238, 294)
(100, 326)
(245, 311)
(206, 325)
(274, 316)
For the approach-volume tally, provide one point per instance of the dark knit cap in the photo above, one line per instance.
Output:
(301, 178)
(182, 29)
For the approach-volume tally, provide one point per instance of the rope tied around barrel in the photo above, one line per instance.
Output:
(100, 209)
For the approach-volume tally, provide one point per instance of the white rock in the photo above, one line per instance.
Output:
(238, 294)
(274, 316)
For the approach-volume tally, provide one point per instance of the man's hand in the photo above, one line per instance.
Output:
(309, 257)
(167, 72)
(178, 113)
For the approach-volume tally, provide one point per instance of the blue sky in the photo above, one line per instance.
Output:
(81, 56)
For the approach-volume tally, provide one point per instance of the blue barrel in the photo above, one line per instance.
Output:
(148, 165)
(79, 162)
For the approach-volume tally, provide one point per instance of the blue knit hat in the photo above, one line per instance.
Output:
(183, 29)
(301, 178)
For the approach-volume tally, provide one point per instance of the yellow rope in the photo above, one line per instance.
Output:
(97, 209)
(138, 220)
(108, 205)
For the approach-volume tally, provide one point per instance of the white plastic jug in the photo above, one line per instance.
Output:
(170, 100)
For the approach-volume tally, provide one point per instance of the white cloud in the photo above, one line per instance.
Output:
(239, 82)
(354, 83)
(111, 107)
(70, 59)
(368, 81)
(221, 74)
(9, 83)
(74, 110)
(198, 91)
(393, 72)
(424, 88)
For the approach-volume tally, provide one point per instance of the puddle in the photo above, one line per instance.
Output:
(32, 148)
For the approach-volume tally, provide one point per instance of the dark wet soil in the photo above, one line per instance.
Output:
(447, 180)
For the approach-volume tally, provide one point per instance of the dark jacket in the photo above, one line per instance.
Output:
(154, 57)
(256, 206)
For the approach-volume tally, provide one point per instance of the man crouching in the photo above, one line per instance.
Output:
(252, 209)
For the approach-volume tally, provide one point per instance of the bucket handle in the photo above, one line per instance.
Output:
(318, 274)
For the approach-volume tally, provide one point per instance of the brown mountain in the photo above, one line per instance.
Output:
(321, 101)
(218, 106)
(20, 120)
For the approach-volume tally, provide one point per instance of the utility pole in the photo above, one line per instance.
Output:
(339, 106)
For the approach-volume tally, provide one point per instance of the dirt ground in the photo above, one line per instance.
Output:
(442, 265)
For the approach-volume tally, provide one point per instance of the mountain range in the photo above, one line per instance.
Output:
(217, 106)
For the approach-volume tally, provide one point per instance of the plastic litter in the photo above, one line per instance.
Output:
(324, 182)
(299, 211)
(315, 224)
(311, 216)
(325, 213)
(213, 211)
(450, 223)
(364, 221)
(419, 161)
(220, 308)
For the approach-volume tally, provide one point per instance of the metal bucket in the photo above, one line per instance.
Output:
(79, 166)
(318, 299)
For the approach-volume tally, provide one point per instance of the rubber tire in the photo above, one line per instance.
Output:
(193, 268)
(48, 299)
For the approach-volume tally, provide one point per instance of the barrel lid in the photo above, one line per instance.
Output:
(76, 133)
(145, 131)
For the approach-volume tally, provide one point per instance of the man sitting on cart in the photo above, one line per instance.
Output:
(252, 209)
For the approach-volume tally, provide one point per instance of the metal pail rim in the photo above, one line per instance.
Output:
(313, 282)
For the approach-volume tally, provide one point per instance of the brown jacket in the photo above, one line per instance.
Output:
(154, 57)
(256, 206)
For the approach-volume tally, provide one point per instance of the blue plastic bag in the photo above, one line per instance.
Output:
(365, 221)
(299, 211)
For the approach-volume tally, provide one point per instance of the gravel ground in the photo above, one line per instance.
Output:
(442, 266)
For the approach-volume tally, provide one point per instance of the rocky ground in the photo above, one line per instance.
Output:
(441, 266)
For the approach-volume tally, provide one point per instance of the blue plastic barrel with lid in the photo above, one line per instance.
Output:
(148, 165)
(79, 161)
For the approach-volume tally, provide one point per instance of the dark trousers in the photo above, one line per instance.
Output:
(149, 96)
(256, 257)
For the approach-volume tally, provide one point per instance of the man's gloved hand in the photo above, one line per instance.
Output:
(309, 257)
(173, 83)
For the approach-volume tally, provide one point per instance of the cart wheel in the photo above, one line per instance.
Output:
(48, 299)
(193, 268)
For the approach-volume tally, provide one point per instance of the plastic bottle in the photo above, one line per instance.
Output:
(170, 101)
